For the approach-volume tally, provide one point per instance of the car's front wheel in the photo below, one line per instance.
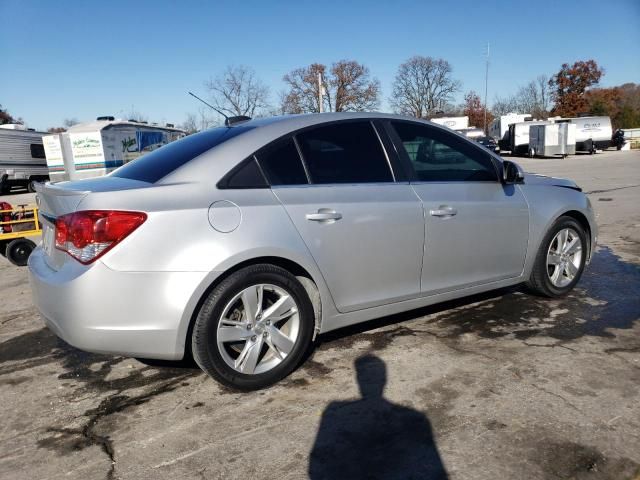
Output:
(254, 328)
(560, 260)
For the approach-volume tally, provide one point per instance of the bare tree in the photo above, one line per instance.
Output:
(504, 105)
(136, 116)
(351, 88)
(5, 117)
(532, 98)
(347, 86)
(423, 85)
(238, 91)
(302, 95)
(190, 124)
(70, 122)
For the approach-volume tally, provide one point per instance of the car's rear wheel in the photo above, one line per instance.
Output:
(254, 328)
(560, 260)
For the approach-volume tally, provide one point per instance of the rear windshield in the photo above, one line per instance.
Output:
(155, 165)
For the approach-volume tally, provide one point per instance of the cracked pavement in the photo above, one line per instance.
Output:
(499, 385)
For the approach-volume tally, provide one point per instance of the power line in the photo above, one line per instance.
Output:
(486, 89)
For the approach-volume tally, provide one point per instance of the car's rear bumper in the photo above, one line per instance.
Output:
(139, 314)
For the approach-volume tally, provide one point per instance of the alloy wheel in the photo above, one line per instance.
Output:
(564, 257)
(258, 328)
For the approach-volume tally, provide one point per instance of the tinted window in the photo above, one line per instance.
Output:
(439, 156)
(245, 175)
(155, 165)
(37, 150)
(281, 163)
(344, 153)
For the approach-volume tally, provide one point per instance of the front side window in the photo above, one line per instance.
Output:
(344, 153)
(439, 156)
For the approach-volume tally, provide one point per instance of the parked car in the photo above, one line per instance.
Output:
(240, 244)
(488, 142)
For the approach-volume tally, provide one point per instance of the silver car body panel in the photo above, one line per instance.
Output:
(381, 228)
(485, 241)
(140, 297)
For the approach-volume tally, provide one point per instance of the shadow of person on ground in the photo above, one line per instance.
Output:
(373, 438)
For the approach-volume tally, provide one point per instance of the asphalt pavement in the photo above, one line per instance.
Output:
(500, 385)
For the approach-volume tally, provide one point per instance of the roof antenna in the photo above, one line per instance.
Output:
(209, 105)
(228, 121)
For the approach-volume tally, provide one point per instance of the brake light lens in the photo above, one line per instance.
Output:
(89, 234)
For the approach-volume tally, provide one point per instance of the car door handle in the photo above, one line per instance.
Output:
(443, 211)
(324, 215)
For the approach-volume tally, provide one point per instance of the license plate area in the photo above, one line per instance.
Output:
(48, 238)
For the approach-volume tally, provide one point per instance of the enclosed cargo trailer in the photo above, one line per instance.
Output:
(552, 139)
(519, 136)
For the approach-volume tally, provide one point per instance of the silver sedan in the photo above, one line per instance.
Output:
(239, 244)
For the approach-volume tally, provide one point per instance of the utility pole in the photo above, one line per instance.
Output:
(486, 89)
(320, 91)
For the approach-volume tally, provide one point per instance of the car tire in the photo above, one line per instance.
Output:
(31, 186)
(545, 279)
(218, 359)
(18, 251)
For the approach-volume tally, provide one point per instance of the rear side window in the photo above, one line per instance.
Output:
(344, 153)
(155, 165)
(439, 156)
(281, 163)
(245, 175)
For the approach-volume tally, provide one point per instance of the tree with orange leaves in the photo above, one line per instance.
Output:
(570, 84)
(474, 109)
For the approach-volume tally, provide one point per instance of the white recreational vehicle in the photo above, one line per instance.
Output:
(471, 132)
(22, 159)
(499, 127)
(454, 123)
(591, 133)
(96, 148)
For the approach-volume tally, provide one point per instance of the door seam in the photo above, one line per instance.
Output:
(424, 234)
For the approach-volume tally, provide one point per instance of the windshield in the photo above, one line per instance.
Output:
(155, 165)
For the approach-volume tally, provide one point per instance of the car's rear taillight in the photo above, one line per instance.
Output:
(89, 234)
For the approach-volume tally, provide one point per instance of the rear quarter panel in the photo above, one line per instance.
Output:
(178, 235)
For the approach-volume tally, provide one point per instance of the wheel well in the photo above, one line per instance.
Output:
(289, 265)
(584, 223)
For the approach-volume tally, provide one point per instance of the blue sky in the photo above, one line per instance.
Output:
(80, 59)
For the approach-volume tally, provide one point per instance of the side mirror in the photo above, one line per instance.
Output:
(511, 173)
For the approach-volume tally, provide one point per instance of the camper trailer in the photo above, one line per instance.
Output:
(454, 123)
(552, 139)
(96, 148)
(518, 136)
(499, 127)
(22, 159)
(592, 133)
(472, 132)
